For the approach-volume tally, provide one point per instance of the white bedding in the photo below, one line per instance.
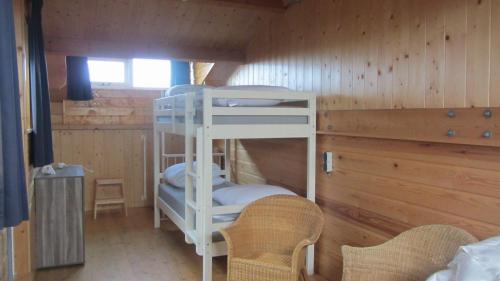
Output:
(223, 102)
(183, 89)
(247, 193)
(176, 174)
(474, 262)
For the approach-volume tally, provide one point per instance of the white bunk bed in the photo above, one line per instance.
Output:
(204, 115)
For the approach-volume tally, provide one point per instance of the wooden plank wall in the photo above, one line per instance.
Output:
(111, 107)
(380, 54)
(109, 153)
(105, 135)
(381, 187)
(475, 126)
(384, 55)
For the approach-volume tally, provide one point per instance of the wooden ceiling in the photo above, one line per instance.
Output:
(188, 29)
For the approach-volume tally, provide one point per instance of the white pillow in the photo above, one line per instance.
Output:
(249, 102)
(175, 174)
(182, 89)
(247, 193)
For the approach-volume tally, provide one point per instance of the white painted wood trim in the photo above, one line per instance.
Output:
(227, 209)
(311, 175)
(260, 111)
(207, 150)
(200, 232)
(171, 214)
(257, 94)
(260, 131)
(190, 209)
(156, 180)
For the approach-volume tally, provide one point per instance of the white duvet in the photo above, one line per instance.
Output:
(247, 193)
(476, 262)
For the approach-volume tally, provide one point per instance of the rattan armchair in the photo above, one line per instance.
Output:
(267, 242)
(411, 256)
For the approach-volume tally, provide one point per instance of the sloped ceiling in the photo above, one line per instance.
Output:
(193, 29)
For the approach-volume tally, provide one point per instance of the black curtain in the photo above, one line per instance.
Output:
(41, 138)
(79, 87)
(180, 73)
(13, 197)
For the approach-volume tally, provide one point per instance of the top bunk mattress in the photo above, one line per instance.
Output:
(180, 90)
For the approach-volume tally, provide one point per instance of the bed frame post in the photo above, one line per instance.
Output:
(189, 222)
(199, 191)
(311, 173)
(227, 159)
(157, 159)
(207, 142)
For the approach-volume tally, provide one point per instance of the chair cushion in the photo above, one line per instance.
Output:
(262, 267)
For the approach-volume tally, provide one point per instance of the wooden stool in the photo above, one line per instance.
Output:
(109, 192)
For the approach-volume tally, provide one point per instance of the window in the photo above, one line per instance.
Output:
(150, 73)
(102, 71)
(134, 73)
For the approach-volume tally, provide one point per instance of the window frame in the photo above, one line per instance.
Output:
(129, 79)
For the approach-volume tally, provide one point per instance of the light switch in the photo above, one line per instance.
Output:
(328, 162)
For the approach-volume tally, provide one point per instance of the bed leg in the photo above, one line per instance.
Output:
(157, 217)
(207, 266)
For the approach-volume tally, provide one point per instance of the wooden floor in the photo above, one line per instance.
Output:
(130, 249)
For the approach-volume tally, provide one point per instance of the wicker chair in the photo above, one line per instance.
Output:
(411, 256)
(267, 242)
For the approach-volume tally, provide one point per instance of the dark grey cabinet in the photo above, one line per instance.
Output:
(59, 203)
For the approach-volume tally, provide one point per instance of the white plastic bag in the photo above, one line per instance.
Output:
(475, 262)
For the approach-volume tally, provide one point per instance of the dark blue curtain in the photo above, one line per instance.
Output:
(79, 87)
(41, 138)
(180, 73)
(13, 198)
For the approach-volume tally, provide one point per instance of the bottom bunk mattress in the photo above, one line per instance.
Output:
(175, 198)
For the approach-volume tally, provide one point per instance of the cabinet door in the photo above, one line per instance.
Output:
(59, 221)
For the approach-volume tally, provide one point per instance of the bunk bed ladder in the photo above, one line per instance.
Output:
(199, 191)
(191, 202)
(311, 173)
(227, 160)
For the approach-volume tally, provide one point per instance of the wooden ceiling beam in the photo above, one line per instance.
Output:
(270, 5)
(134, 49)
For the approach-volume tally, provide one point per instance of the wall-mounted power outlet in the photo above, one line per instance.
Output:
(328, 162)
